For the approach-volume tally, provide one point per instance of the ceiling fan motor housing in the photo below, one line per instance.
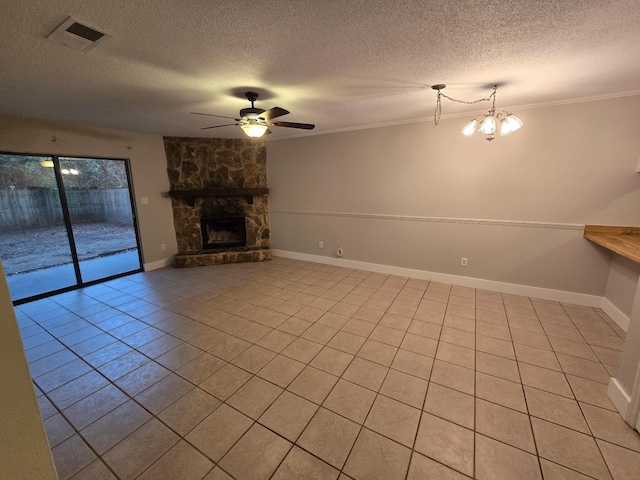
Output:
(250, 112)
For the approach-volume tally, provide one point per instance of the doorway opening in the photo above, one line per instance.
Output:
(65, 222)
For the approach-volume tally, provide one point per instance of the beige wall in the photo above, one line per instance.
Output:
(148, 168)
(24, 449)
(570, 165)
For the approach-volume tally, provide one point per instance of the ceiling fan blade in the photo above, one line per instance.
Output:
(218, 126)
(211, 115)
(305, 126)
(267, 132)
(273, 113)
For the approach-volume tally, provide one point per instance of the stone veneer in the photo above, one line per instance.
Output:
(218, 163)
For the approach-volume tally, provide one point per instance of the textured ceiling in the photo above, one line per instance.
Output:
(340, 64)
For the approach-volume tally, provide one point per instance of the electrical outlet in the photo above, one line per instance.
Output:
(463, 262)
(144, 200)
(163, 247)
(320, 244)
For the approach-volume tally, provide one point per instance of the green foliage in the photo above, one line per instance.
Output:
(27, 172)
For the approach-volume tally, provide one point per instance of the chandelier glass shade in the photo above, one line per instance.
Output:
(495, 122)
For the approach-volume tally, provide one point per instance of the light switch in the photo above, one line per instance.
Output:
(144, 200)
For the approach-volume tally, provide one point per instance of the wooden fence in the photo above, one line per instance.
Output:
(41, 207)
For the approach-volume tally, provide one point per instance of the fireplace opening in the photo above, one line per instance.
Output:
(223, 232)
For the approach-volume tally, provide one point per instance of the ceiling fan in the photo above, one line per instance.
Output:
(255, 122)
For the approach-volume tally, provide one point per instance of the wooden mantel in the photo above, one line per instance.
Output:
(624, 241)
(219, 192)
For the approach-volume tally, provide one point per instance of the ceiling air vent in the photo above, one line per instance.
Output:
(76, 35)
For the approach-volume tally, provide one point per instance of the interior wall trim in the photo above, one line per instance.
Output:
(411, 218)
(165, 262)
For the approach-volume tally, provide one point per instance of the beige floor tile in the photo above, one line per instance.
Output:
(498, 461)
(332, 361)
(435, 302)
(451, 405)
(624, 464)
(607, 356)
(178, 356)
(254, 358)
(422, 468)
(500, 391)
(366, 374)
(537, 356)
(524, 338)
(571, 348)
(459, 323)
(446, 442)
(560, 331)
(254, 397)
(429, 316)
(453, 376)
(387, 335)
(368, 315)
(225, 381)
(377, 352)
(71, 456)
(525, 325)
(493, 317)
(294, 326)
(163, 393)
(425, 329)
(405, 388)
(289, 415)
(362, 328)
(96, 470)
(319, 333)
(329, 437)
(256, 455)
(555, 408)
(495, 346)
(91, 408)
(588, 391)
(281, 370)
(229, 348)
(448, 352)
(77, 389)
(333, 320)
(182, 461)
(302, 350)
(501, 332)
(497, 366)
(469, 301)
(350, 400)
(189, 410)
(458, 337)
(217, 433)
(276, 341)
(545, 379)
(603, 340)
(200, 368)
(208, 340)
(553, 471)
(107, 431)
(609, 426)
(138, 451)
(569, 448)
(58, 430)
(394, 420)
(506, 425)
(346, 342)
(299, 464)
(584, 368)
(313, 384)
(61, 375)
(413, 364)
(375, 457)
(419, 344)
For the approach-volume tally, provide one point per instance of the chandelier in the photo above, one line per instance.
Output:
(496, 121)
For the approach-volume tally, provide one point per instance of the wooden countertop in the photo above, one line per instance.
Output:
(624, 241)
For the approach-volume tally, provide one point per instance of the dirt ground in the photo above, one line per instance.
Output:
(28, 249)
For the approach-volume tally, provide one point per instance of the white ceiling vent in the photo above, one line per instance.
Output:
(76, 35)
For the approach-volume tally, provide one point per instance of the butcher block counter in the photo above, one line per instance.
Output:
(624, 241)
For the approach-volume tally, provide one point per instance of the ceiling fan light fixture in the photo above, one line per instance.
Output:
(254, 129)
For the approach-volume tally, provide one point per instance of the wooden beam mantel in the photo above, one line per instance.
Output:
(624, 241)
(219, 192)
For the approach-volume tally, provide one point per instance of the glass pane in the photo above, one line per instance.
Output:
(34, 245)
(102, 222)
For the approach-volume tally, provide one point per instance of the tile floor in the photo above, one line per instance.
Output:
(294, 370)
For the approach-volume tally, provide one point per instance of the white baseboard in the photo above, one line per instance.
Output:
(615, 313)
(512, 288)
(165, 262)
(620, 399)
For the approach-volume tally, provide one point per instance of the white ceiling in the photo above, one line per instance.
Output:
(340, 64)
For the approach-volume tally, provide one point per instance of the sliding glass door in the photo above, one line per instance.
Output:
(64, 222)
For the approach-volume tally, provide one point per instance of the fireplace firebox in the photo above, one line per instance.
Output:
(223, 232)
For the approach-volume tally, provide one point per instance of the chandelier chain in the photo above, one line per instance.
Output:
(438, 111)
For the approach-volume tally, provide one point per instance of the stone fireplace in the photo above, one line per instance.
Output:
(220, 200)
